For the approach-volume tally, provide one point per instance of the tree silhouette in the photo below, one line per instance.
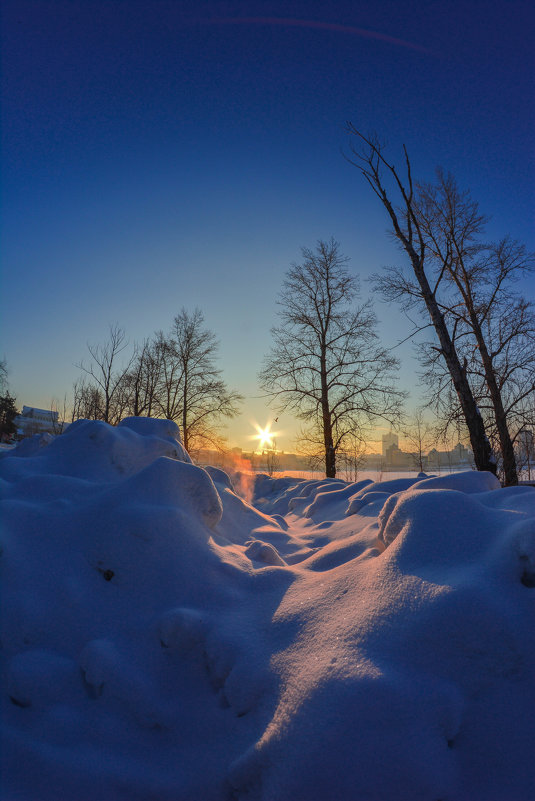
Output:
(326, 364)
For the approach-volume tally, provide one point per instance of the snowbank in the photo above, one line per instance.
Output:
(164, 639)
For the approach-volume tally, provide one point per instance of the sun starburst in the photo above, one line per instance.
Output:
(265, 436)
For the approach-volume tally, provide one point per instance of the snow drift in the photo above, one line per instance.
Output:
(164, 640)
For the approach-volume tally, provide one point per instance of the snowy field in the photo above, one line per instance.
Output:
(165, 640)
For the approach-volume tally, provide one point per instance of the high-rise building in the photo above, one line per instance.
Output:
(388, 440)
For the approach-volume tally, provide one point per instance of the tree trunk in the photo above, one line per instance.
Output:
(506, 446)
(185, 442)
(137, 405)
(330, 454)
(500, 417)
(481, 449)
(185, 417)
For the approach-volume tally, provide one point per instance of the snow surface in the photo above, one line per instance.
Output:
(165, 640)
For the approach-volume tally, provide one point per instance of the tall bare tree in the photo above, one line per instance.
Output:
(106, 376)
(168, 398)
(407, 227)
(87, 402)
(326, 364)
(143, 380)
(173, 376)
(495, 328)
(196, 395)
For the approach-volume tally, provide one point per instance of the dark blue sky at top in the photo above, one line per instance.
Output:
(160, 154)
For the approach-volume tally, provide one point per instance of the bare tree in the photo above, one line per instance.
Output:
(407, 228)
(513, 362)
(172, 376)
(59, 415)
(419, 436)
(106, 376)
(495, 328)
(195, 394)
(326, 364)
(310, 445)
(88, 401)
(352, 457)
(272, 460)
(143, 381)
(168, 397)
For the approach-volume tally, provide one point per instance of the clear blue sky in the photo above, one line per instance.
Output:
(165, 154)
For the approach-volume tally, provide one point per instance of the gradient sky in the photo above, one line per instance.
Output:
(165, 154)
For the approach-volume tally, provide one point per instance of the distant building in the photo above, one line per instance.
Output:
(395, 457)
(389, 440)
(460, 454)
(36, 421)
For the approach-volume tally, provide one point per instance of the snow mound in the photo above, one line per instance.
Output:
(167, 482)
(284, 495)
(150, 617)
(467, 482)
(360, 502)
(29, 446)
(327, 503)
(94, 450)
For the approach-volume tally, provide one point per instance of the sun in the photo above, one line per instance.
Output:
(265, 436)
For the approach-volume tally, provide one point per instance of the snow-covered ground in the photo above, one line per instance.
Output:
(164, 640)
